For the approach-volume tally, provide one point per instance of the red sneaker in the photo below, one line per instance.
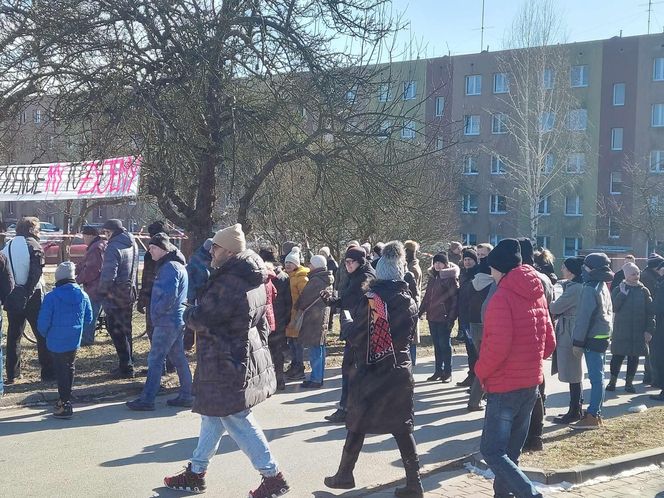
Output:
(271, 487)
(186, 481)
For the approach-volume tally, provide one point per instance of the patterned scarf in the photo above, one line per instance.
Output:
(380, 340)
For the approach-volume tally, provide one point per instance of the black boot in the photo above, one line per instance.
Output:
(629, 386)
(413, 487)
(611, 386)
(343, 479)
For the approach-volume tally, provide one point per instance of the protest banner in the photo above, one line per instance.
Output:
(115, 177)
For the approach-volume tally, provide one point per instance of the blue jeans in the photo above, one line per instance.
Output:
(595, 366)
(2, 364)
(166, 341)
(413, 353)
(297, 351)
(317, 362)
(246, 433)
(89, 330)
(442, 348)
(506, 422)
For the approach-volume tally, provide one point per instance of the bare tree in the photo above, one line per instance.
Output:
(539, 112)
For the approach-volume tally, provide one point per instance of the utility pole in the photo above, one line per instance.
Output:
(482, 29)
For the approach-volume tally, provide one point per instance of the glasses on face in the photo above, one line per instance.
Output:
(349, 261)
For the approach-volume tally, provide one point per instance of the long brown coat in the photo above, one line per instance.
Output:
(298, 280)
(316, 318)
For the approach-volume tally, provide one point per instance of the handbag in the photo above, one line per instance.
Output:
(18, 297)
(299, 317)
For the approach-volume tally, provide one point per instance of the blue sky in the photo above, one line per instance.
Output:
(437, 26)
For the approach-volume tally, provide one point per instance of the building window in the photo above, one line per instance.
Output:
(474, 84)
(409, 90)
(472, 125)
(351, 95)
(469, 203)
(497, 165)
(549, 164)
(440, 106)
(439, 144)
(657, 115)
(499, 123)
(36, 116)
(22, 117)
(657, 161)
(470, 165)
(618, 94)
(616, 182)
(10, 207)
(494, 239)
(100, 212)
(572, 246)
(408, 130)
(577, 120)
(573, 206)
(469, 239)
(579, 76)
(576, 163)
(614, 229)
(616, 139)
(548, 77)
(543, 241)
(500, 83)
(544, 206)
(385, 130)
(547, 121)
(658, 69)
(384, 94)
(497, 204)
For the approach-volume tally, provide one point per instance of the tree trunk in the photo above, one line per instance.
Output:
(65, 246)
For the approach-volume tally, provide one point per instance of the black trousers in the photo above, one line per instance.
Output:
(277, 343)
(64, 372)
(632, 365)
(14, 334)
(355, 440)
(118, 321)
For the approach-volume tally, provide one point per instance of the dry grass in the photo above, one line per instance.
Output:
(622, 435)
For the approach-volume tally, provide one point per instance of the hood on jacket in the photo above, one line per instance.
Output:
(452, 272)
(246, 265)
(323, 274)
(598, 275)
(175, 256)
(482, 281)
(69, 293)
(123, 239)
(524, 281)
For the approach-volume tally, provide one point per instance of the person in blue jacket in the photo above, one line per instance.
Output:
(66, 310)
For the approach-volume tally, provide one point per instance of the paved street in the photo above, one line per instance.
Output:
(109, 451)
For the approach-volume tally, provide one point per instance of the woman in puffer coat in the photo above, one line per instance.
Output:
(315, 320)
(568, 365)
(633, 318)
(381, 382)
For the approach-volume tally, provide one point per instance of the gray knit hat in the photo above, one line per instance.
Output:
(391, 265)
(65, 271)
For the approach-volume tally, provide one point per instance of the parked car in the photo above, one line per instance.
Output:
(52, 250)
(44, 227)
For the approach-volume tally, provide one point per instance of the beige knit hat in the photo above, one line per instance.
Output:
(231, 239)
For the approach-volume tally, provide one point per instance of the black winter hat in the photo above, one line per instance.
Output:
(356, 253)
(654, 260)
(89, 230)
(505, 256)
(441, 257)
(267, 254)
(470, 253)
(156, 227)
(114, 225)
(574, 265)
(161, 240)
(527, 251)
(597, 260)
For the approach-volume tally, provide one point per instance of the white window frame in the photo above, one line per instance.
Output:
(617, 135)
(408, 130)
(657, 116)
(578, 245)
(577, 120)
(615, 180)
(614, 228)
(100, 212)
(657, 161)
(440, 143)
(547, 121)
(351, 94)
(471, 125)
(494, 238)
(549, 163)
(470, 166)
(469, 204)
(10, 207)
(619, 96)
(658, 69)
(499, 123)
(548, 78)
(545, 241)
(544, 206)
(473, 84)
(469, 239)
(440, 106)
(494, 204)
(409, 90)
(36, 116)
(385, 130)
(501, 83)
(384, 94)
(576, 204)
(579, 161)
(579, 80)
(498, 166)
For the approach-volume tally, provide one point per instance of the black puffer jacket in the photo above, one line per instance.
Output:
(284, 301)
(234, 370)
(352, 295)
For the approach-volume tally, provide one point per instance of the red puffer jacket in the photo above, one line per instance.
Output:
(271, 292)
(518, 334)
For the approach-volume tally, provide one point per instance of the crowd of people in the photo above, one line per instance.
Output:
(249, 313)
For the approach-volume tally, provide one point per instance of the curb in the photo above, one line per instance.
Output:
(583, 473)
(83, 394)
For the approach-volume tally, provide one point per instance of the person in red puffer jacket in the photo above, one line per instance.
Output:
(518, 335)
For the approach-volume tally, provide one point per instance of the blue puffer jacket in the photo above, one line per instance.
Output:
(198, 270)
(63, 314)
(169, 291)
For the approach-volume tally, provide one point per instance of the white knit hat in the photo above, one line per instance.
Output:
(324, 251)
(231, 239)
(293, 257)
(318, 261)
